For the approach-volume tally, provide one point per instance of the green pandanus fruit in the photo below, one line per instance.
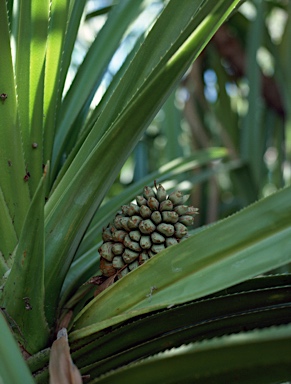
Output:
(142, 229)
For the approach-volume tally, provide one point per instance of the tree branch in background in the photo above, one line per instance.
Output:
(231, 50)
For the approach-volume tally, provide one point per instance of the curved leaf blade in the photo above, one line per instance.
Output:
(256, 357)
(245, 309)
(226, 253)
(75, 15)
(91, 71)
(257, 303)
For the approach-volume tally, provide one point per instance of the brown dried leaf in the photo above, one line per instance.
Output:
(96, 280)
(61, 368)
(65, 319)
(109, 281)
(106, 283)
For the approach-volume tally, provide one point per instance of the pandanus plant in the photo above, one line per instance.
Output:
(192, 310)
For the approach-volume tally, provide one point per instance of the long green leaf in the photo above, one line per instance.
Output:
(75, 14)
(223, 108)
(92, 70)
(253, 141)
(30, 62)
(76, 193)
(249, 305)
(244, 245)
(99, 11)
(95, 114)
(203, 310)
(80, 271)
(172, 128)
(23, 295)
(255, 357)
(162, 42)
(14, 188)
(159, 46)
(8, 238)
(52, 97)
(22, 74)
(13, 369)
(257, 303)
(38, 46)
(285, 76)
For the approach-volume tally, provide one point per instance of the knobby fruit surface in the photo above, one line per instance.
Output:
(142, 229)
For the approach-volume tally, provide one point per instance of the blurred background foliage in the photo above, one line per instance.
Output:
(236, 95)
